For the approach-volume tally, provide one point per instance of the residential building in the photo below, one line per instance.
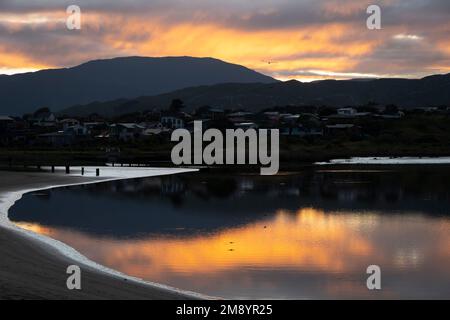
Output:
(76, 130)
(55, 139)
(173, 120)
(66, 123)
(347, 111)
(246, 125)
(6, 124)
(44, 119)
(126, 131)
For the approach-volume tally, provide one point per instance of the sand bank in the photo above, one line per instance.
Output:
(33, 266)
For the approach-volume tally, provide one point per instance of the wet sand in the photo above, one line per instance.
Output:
(33, 270)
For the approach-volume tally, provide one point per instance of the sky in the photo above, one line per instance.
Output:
(288, 39)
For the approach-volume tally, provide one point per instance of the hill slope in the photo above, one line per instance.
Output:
(104, 80)
(429, 91)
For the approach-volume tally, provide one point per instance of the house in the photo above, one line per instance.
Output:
(216, 113)
(246, 125)
(44, 119)
(210, 113)
(347, 112)
(340, 126)
(431, 109)
(301, 131)
(397, 115)
(290, 118)
(96, 128)
(173, 120)
(6, 124)
(76, 130)
(152, 125)
(66, 123)
(154, 128)
(272, 115)
(240, 116)
(126, 131)
(55, 139)
(155, 132)
(270, 119)
(15, 130)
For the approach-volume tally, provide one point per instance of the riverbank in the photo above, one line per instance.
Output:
(34, 267)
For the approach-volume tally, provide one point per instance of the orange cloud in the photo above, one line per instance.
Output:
(334, 40)
(17, 62)
(270, 51)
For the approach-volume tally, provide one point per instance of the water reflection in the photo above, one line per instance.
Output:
(303, 236)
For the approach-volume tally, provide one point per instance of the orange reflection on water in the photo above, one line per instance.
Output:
(275, 256)
(310, 238)
(37, 228)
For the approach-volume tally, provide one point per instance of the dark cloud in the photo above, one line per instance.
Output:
(262, 14)
(405, 56)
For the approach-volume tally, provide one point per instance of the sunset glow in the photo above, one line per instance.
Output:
(305, 40)
(309, 239)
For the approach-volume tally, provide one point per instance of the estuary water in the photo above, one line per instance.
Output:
(305, 235)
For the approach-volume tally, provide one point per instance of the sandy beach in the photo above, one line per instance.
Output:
(32, 269)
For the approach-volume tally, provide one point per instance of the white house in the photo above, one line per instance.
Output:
(347, 111)
(246, 125)
(66, 123)
(5, 121)
(76, 130)
(46, 119)
(172, 122)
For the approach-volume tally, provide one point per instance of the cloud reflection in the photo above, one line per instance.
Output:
(306, 254)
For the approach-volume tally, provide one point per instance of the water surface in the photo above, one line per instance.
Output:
(305, 235)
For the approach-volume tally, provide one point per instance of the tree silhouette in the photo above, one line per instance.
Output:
(41, 111)
(391, 109)
(176, 105)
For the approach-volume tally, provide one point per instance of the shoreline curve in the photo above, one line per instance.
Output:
(10, 198)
